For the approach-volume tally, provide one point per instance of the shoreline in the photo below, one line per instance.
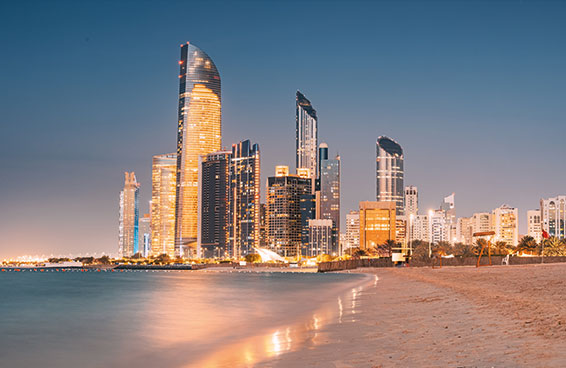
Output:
(455, 316)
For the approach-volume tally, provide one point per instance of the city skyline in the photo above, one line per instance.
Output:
(75, 178)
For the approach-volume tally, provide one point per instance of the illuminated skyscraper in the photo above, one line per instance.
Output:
(377, 223)
(553, 216)
(505, 224)
(306, 135)
(129, 217)
(198, 133)
(330, 196)
(214, 211)
(144, 241)
(389, 173)
(244, 196)
(352, 231)
(163, 184)
(283, 210)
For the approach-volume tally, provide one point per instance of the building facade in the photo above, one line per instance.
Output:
(128, 228)
(244, 199)
(377, 223)
(283, 211)
(214, 210)
(390, 173)
(308, 212)
(330, 197)
(321, 238)
(306, 135)
(553, 216)
(505, 224)
(534, 225)
(352, 235)
(144, 242)
(198, 133)
(163, 192)
(411, 201)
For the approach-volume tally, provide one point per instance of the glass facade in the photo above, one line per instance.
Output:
(198, 133)
(330, 196)
(214, 189)
(244, 199)
(553, 216)
(163, 192)
(390, 173)
(306, 135)
(129, 217)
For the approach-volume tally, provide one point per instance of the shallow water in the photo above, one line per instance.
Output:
(167, 319)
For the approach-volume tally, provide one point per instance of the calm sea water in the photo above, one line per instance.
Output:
(165, 319)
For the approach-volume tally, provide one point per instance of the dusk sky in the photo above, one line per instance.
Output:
(474, 92)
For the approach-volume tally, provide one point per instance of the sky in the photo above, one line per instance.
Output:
(473, 91)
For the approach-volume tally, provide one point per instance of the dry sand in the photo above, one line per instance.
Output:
(500, 316)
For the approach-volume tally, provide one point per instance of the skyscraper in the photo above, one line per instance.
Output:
(129, 217)
(352, 230)
(306, 135)
(198, 133)
(330, 196)
(283, 211)
(321, 236)
(411, 201)
(163, 191)
(505, 224)
(308, 212)
(244, 197)
(389, 173)
(214, 204)
(144, 241)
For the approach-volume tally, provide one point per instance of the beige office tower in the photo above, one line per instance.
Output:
(128, 230)
(198, 133)
(163, 184)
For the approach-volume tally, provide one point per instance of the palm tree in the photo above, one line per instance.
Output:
(528, 244)
(554, 247)
(501, 248)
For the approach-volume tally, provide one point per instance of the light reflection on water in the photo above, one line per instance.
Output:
(166, 319)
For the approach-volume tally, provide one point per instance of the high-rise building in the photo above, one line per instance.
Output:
(283, 209)
(163, 191)
(262, 225)
(308, 212)
(505, 224)
(144, 244)
(439, 226)
(553, 216)
(377, 223)
(128, 229)
(464, 230)
(244, 197)
(321, 235)
(390, 173)
(419, 228)
(411, 201)
(449, 208)
(214, 211)
(480, 222)
(330, 196)
(306, 135)
(198, 133)
(352, 231)
(534, 225)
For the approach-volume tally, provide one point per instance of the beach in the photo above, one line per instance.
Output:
(499, 316)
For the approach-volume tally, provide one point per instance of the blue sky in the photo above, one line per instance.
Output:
(473, 91)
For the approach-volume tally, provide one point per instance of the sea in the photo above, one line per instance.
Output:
(167, 318)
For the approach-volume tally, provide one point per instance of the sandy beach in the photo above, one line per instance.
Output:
(501, 316)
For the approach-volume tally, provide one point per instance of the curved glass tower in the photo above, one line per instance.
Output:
(306, 135)
(198, 133)
(389, 173)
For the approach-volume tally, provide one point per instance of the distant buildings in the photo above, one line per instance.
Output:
(283, 211)
(244, 197)
(198, 133)
(128, 229)
(163, 191)
(534, 225)
(306, 135)
(377, 223)
(411, 201)
(553, 216)
(308, 212)
(214, 204)
(390, 173)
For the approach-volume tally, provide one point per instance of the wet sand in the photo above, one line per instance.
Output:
(501, 316)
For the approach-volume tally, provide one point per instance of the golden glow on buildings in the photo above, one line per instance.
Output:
(377, 223)
(303, 173)
(281, 170)
(129, 216)
(199, 133)
(505, 225)
(163, 183)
